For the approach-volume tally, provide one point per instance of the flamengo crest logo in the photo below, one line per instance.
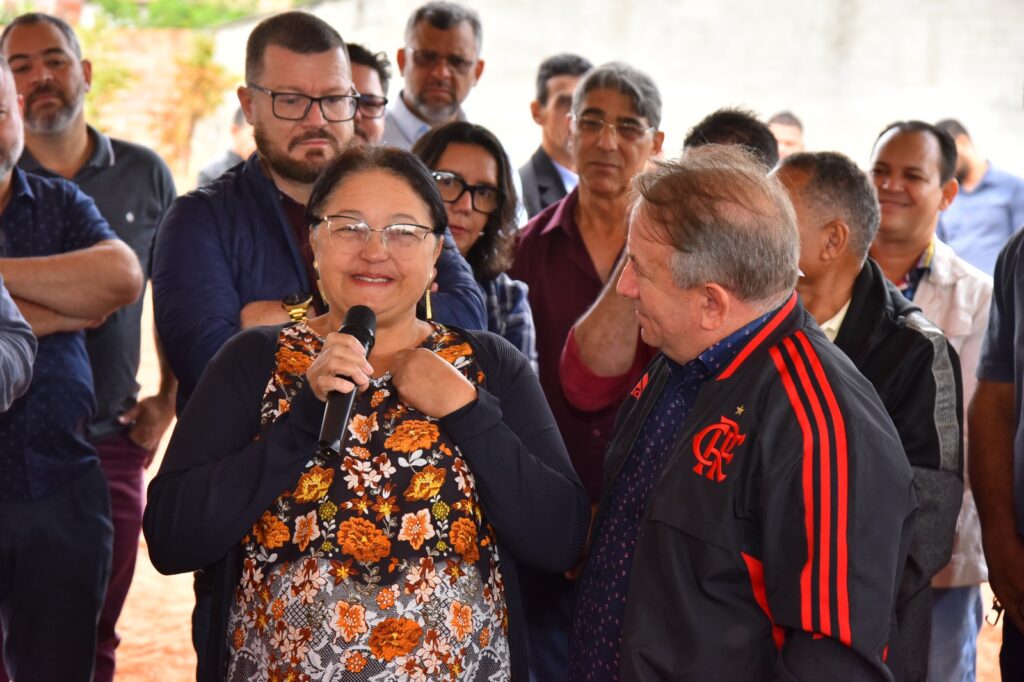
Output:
(713, 448)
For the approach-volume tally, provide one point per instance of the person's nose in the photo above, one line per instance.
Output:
(626, 286)
(375, 249)
(608, 138)
(464, 204)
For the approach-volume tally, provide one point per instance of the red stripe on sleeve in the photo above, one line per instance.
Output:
(824, 490)
(756, 571)
(767, 329)
(806, 619)
(842, 482)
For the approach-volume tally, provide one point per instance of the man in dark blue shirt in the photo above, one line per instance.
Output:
(66, 270)
(236, 253)
(132, 187)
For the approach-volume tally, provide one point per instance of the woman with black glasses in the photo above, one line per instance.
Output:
(474, 176)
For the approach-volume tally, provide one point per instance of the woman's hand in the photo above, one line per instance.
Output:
(430, 384)
(342, 356)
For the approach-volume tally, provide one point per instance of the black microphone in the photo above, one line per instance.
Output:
(360, 322)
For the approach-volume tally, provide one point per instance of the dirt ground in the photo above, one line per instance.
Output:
(154, 626)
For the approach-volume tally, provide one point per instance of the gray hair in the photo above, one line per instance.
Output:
(622, 78)
(445, 15)
(727, 221)
(837, 188)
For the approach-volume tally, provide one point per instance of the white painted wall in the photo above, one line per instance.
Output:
(846, 67)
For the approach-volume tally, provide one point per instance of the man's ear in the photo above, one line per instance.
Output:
(87, 74)
(835, 239)
(400, 60)
(715, 306)
(245, 100)
(949, 192)
(535, 111)
(478, 70)
(657, 142)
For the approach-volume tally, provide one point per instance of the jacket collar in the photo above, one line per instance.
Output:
(875, 299)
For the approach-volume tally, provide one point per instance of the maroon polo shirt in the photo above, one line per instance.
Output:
(553, 260)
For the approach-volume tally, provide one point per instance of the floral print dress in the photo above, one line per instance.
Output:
(378, 564)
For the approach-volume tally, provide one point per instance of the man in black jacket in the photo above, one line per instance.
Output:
(757, 504)
(905, 357)
(550, 173)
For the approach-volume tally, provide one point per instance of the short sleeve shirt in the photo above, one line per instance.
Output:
(43, 436)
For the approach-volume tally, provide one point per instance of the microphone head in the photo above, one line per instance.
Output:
(360, 322)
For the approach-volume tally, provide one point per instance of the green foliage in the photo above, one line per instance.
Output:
(109, 75)
(176, 13)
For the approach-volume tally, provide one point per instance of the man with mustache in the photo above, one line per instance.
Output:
(132, 188)
(440, 64)
(235, 253)
(67, 271)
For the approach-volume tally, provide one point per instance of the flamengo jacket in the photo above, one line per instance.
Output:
(772, 543)
(229, 243)
(917, 376)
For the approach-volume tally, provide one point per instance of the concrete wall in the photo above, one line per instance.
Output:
(846, 67)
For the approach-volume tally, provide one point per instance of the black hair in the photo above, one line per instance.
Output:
(358, 54)
(735, 126)
(299, 32)
(564, 64)
(39, 17)
(393, 160)
(493, 252)
(444, 16)
(947, 146)
(953, 127)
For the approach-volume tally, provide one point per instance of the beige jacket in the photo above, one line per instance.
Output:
(955, 296)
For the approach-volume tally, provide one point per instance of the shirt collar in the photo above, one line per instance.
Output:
(102, 154)
(569, 178)
(832, 325)
(564, 217)
(411, 125)
(719, 354)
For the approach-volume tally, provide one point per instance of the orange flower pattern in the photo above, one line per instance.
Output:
(379, 561)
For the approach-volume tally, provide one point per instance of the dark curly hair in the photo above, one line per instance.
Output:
(493, 252)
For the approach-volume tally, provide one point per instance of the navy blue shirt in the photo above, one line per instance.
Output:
(132, 187)
(597, 630)
(42, 436)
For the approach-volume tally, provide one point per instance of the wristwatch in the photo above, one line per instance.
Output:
(297, 304)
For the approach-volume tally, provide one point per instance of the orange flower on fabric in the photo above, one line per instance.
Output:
(463, 538)
(386, 598)
(412, 435)
(460, 620)
(362, 426)
(485, 637)
(394, 637)
(359, 452)
(453, 353)
(313, 484)
(341, 571)
(363, 540)
(238, 637)
(349, 620)
(292, 361)
(306, 530)
(416, 528)
(425, 484)
(378, 397)
(356, 662)
(270, 531)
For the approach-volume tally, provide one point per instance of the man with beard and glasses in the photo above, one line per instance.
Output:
(440, 64)
(132, 188)
(67, 271)
(235, 253)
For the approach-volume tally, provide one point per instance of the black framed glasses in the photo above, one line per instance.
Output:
(372, 106)
(428, 59)
(484, 198)
(294, 106)
(630, 131)
(349, 235)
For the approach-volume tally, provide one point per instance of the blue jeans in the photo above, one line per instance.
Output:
(956, 621)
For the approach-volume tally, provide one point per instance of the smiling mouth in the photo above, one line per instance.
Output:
(371, 279)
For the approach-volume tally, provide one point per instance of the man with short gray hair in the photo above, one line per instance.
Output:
(754, 510)
(905, 357)
(440, 63)
(566, 253)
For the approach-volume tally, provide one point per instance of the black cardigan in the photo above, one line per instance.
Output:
(217, 478)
